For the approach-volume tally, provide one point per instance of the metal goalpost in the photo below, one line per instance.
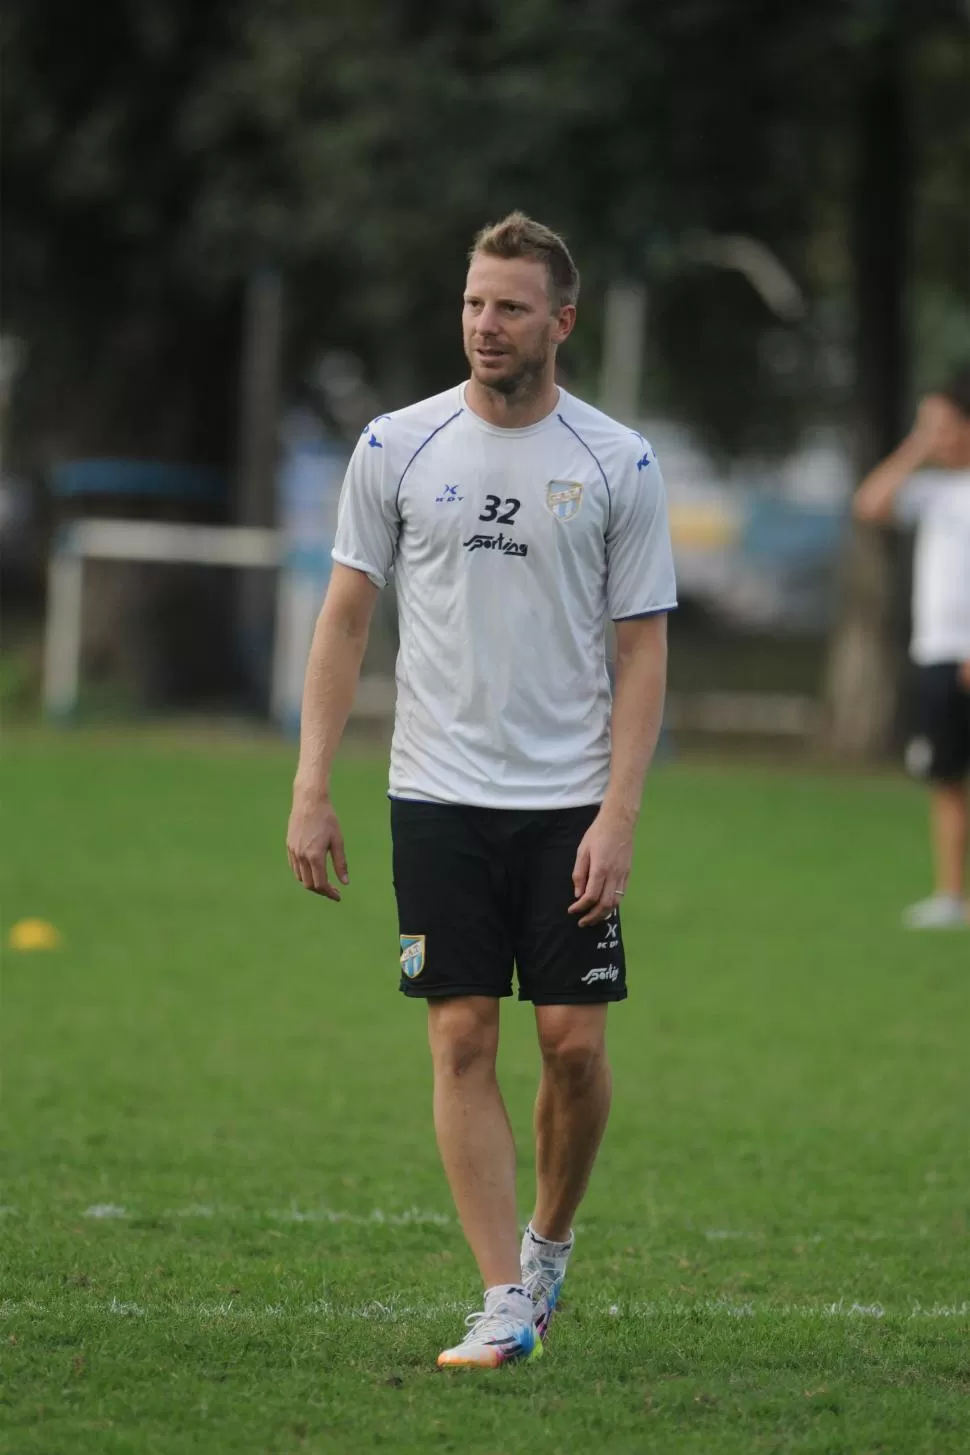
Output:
(166, 543)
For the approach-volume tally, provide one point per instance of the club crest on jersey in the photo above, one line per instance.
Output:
(564, 497)
(412, 955)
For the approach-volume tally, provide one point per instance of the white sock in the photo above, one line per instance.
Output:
(512, 1294)
(551, 1249)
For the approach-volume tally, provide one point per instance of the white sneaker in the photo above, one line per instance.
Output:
(503, 1331)
(939, 912)
(543, 1271)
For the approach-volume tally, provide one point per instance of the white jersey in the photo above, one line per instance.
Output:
(511, 549)
(938, 502)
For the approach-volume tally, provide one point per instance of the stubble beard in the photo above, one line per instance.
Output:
(521, 386)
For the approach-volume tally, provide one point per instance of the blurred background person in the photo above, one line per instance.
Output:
(926, 482)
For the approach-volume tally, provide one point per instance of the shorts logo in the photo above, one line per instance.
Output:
(919, 757)
(564, 498)
(611, 934)
(602, 972)
(412, 955)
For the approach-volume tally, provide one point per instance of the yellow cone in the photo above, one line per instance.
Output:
(33, 934)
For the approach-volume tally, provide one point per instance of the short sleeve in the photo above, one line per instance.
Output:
(639, 558)
(368, 523)
(911, 502)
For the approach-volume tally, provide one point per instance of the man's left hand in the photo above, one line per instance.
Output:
(602, 867)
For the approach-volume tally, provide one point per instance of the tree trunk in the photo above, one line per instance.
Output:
(255, 499)
(866, 655)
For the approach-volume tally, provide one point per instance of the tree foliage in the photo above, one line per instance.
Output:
(158, 150)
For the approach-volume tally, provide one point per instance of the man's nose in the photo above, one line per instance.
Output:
(487, 321)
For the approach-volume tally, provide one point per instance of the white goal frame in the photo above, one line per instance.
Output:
(159, 542)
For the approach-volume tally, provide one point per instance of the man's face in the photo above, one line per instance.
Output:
(944, 432)
(951, 449)
(509, 327)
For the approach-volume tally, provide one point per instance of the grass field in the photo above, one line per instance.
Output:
(225, 1228)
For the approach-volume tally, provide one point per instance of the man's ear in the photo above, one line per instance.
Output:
(565, 322)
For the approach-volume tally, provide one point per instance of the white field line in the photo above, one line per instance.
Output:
(423, 1217)
(412, 1216)
(322, 1310)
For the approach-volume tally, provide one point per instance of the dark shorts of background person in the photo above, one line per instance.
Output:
(483, 891)
(938, 747)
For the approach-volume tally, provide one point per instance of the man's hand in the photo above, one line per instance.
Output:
(930, 441)
(313, 834)
(964, 676)
(602, 867)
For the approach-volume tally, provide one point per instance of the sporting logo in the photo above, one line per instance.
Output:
(448, 496)
(564, 498)
(602, 972)
(501, 543)
(412, 955)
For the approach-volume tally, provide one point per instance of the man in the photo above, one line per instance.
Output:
(937, 500)
(518, 522)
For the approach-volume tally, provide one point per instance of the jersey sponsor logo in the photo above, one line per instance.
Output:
(449, 495)
(564, 498)
(501, 543)
(601, 972)
(643, 461)
(412, 955)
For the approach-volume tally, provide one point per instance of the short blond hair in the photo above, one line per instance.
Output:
(519, 236)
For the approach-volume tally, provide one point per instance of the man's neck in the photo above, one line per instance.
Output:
(512, 411)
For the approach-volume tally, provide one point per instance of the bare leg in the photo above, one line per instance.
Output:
(571, 1111)
(950, 822)
(473, 1131)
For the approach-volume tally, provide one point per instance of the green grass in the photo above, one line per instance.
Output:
(773, 1255)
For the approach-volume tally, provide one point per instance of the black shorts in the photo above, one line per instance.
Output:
(939, 742)
(481, 891)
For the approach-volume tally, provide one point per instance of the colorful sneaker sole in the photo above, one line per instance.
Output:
(488, 1358)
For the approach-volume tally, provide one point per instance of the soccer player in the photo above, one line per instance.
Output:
(518, 522)
(937, 501)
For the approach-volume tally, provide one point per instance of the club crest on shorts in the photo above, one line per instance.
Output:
(412, 955)
(564, 497)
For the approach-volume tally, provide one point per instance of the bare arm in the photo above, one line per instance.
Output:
(873, 502)
(332, 673)
(606, 853)
(638, 705)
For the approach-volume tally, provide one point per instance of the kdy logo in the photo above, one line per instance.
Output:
(412, 955)
(610, 933)
(564, 498)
